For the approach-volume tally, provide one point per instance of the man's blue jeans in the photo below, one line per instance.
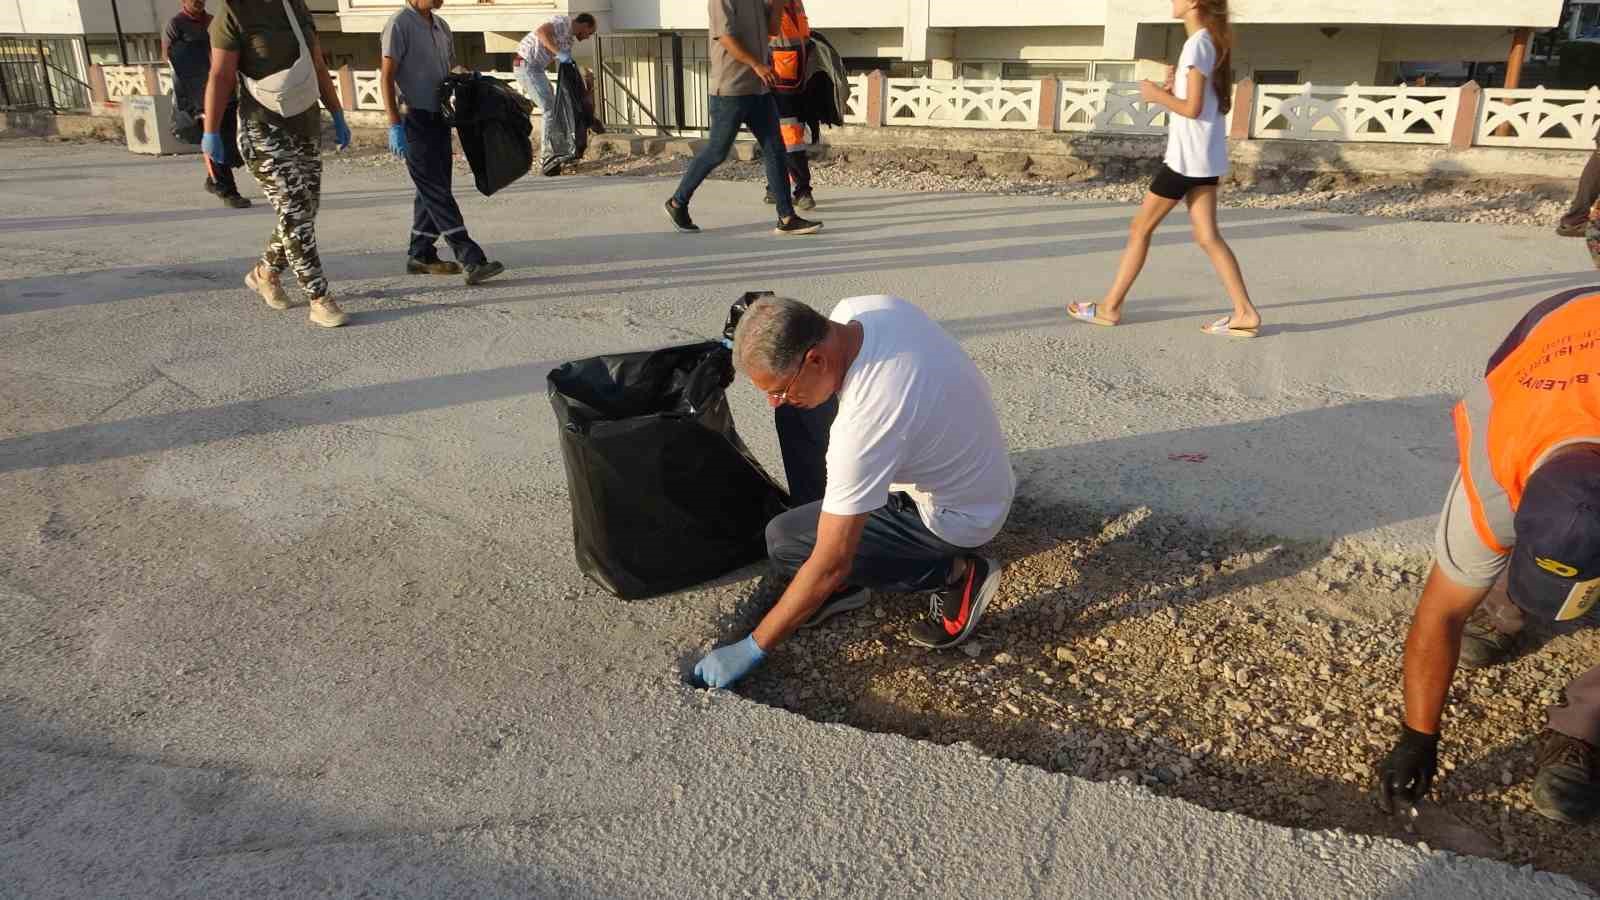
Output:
(759, 112)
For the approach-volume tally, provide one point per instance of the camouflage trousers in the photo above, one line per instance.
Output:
(288, 167)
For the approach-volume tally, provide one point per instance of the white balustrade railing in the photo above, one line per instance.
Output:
(1533, 118)
(124, 81)
(1401, 114)
(1539, 118)
(369, 89)
(959, 103)
(855, 111)
(1108, 106)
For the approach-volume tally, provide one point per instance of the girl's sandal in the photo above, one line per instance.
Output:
(1224, 327)
(1088, 312)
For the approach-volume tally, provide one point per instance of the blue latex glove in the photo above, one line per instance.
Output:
(341, 131)
(397, 139)
(564, 56)
(211, 145)
(724, 666)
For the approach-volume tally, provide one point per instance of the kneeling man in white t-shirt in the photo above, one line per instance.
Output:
(917, 476)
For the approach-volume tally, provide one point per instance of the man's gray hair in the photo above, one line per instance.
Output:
(774, 333)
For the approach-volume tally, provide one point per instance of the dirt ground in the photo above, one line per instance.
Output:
(1137, 648)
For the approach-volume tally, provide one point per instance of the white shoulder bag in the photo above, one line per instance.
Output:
(295, 89)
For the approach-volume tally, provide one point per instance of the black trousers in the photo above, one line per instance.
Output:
(434, 213)
(897, 551)
(800, 172)
(1586, 194)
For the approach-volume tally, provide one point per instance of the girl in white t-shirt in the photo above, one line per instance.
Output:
(1198, 95)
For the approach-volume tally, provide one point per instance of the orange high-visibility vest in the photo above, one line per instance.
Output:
(789, 48)
(1541, 389)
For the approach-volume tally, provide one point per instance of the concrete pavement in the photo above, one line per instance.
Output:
(288, 610)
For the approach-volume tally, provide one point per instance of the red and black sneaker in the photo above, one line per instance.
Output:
(953, 612)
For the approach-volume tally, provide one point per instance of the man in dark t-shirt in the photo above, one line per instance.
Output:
(187, 46)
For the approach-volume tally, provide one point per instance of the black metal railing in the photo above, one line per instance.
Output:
(40, 75)
(655, 84)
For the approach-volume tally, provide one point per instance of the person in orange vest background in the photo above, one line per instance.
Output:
(1525, 506)
(791, 50)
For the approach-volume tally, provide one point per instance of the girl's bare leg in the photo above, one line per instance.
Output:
(1203, 216)
(1151, 212)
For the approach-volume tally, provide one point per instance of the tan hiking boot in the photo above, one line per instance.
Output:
(265, 282)
(327, 313)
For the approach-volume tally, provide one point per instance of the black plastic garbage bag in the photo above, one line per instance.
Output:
(664, 493)
(494, 126)
(568, 123)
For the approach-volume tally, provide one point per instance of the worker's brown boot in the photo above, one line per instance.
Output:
(1566, 788)
(1482, 646)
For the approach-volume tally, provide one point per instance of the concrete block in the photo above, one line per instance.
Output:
(1004, 165)
(682, 146)
(99, 128)
(1058, 168)
(624, 145)
(746, 151)
(147, 122)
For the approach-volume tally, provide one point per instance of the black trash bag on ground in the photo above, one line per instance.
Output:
(568, 123)
(494, 125)
(664, 493)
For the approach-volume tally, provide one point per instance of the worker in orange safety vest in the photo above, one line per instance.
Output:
(791, 50)
(1525, 508)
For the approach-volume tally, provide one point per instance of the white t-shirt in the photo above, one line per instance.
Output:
(914, 412)
(1197, 148)
(534, 54)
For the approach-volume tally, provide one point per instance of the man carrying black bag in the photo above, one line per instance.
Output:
(187, 46)
(418, 53)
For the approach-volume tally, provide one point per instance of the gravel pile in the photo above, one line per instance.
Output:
(1327, 193)
(1238, 674)
(1342, 194)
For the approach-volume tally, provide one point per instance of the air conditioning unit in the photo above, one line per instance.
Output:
(147, 122)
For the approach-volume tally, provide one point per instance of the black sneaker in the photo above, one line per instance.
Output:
(769, 200)
(953, 613)
(1565, 788)
(1482, 646)
(483, 271)
(211, 187)
(680, 217)
(1566, 229)
(845, 601)
(235, 201)
(797, 225)
(804, 201)
(431, 266)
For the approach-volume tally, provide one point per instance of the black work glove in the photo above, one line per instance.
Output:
(1407, 773)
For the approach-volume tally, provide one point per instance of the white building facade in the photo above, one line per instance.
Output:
(1327, 41)
(651, 55)
(63, 38)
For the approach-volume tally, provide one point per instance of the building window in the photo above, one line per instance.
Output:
(1276, 76)
(1113, 71)
(894, 68)
(1034, 70)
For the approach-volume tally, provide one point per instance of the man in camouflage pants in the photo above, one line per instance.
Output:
(282, 149)
(289, 169)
